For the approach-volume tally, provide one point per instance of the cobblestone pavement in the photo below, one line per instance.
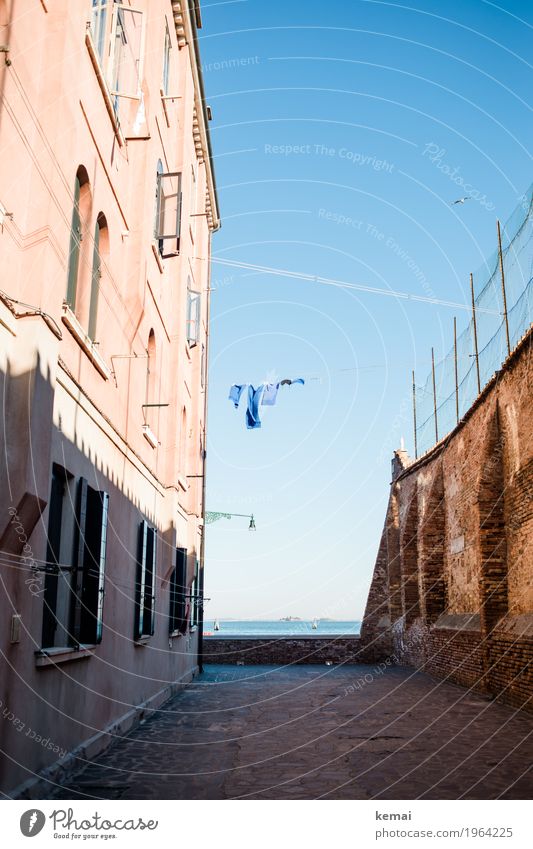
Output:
(307, 732)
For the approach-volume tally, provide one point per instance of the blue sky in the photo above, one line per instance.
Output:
(341, 135)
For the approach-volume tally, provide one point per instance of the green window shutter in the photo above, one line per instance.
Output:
(74, 248)
(79, 558)
(95, 283)
(140, 580)
(149, 597)
(94, 566)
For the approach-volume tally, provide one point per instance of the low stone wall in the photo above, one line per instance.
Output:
(282, 651)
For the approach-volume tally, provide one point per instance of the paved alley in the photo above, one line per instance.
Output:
(309, 732)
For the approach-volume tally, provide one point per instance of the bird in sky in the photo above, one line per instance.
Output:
(460, 200)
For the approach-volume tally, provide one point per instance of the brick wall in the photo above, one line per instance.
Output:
(282, 651)
(452, 590)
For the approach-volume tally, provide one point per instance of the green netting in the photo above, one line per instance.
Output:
(452, 404)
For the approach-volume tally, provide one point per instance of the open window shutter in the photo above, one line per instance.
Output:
(125, 71)
(181, 579)
(169, 213)
(53, 556)
(79, 559)
(94, 566)
(140, 580)
(149, 623)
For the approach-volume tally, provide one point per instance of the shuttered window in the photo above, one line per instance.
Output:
(89, 567)
(178, 594)
(145, 582)
(194, 598)
(74, 588)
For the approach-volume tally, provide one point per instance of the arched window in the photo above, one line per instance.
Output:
(81, 210)
(100, 250)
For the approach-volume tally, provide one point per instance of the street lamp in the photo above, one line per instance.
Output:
(211, 517)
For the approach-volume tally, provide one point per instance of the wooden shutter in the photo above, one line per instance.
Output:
(94, 566)
(79, 558)
(95, 283)
(55, 516)
(150, 583)
(181, 588)
(140, 580)
(74, 247)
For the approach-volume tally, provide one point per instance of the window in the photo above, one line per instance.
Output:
(118, 34)
(178, 594)
(74, 585)
(194, 598)
(98, 26)
(168, 212)
(99, 248)
(193, 316)
(81, 210)
(145, 583)
(166, 60)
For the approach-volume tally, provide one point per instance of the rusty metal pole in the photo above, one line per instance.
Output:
(456, 369)
(504, 295)
(414, 416)
(474, 320)
(434, 395)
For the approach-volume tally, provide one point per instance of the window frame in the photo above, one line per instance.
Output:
(177, 619)
(162, 237)
(145, 586)
(194, 302)
(83, 617)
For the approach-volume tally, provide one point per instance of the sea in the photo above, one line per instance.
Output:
(280, 627)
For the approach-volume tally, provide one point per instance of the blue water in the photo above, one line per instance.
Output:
(300, 627)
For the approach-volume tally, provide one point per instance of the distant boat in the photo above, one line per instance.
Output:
(217, 625)
(314, 626)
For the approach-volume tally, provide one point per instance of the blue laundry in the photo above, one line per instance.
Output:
(265, 395)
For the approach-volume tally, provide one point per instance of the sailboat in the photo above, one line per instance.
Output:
(217, 625)
(314, 626)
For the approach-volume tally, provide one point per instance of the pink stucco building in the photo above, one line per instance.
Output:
(107, 207)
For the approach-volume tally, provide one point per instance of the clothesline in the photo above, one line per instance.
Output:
(344, 284)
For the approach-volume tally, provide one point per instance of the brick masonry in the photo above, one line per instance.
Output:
(452, 591)
(282, 651)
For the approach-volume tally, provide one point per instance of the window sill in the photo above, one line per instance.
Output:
(95, 59)
(85, 342)
(52, 657)
(142, 642)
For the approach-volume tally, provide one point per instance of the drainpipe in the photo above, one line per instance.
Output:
(204, 477)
